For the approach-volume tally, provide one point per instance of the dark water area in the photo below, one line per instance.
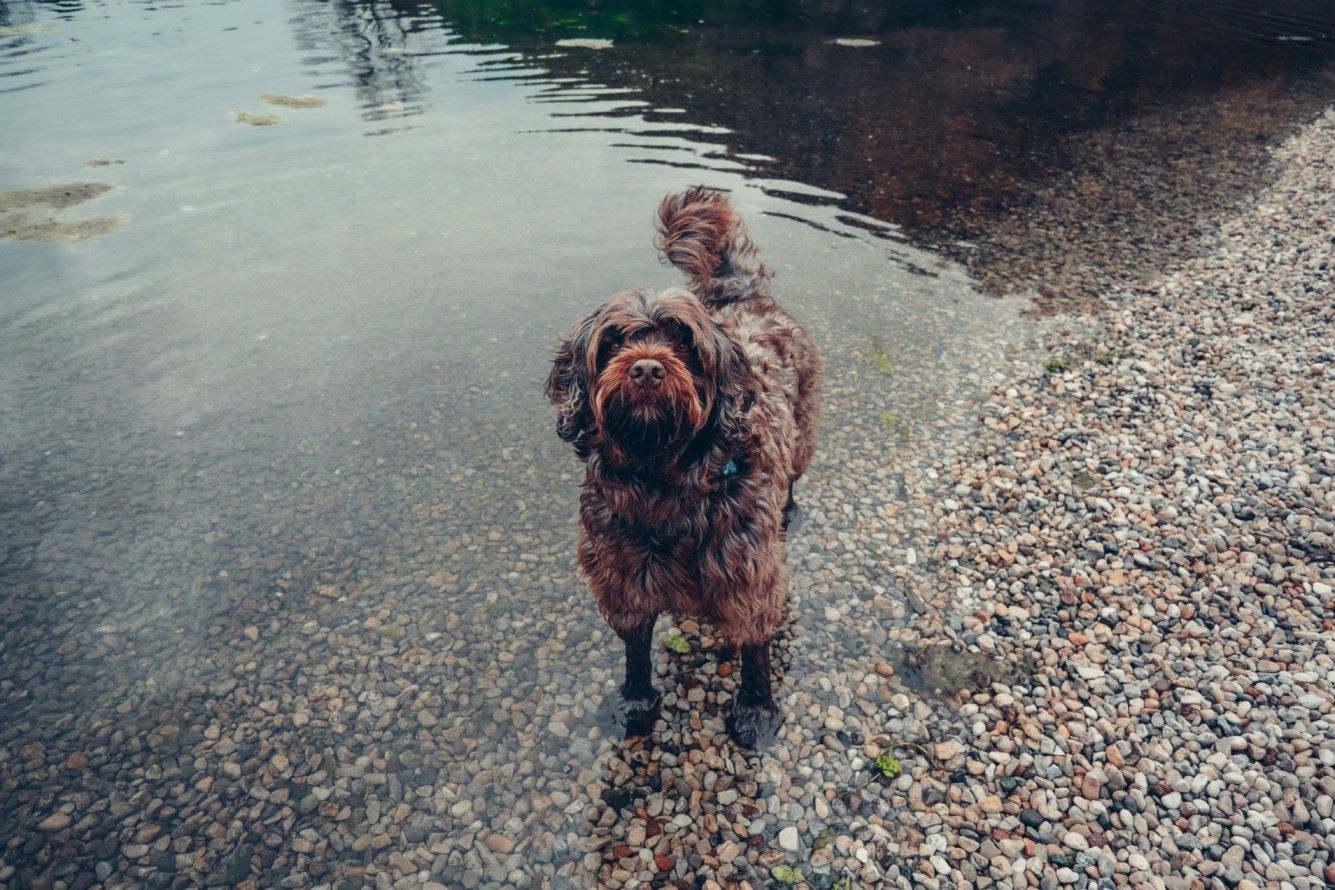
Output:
(920, 114)
(286, 592)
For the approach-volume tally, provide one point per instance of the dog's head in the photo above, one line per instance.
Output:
(647, 373)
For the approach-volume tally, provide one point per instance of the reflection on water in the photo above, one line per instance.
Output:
(285, 583)
(948, 109)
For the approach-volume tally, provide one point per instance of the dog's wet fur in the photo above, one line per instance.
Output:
(695, 411)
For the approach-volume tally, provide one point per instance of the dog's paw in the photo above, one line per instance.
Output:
(629, 716)
(754, 726)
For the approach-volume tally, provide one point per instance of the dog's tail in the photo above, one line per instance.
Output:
(701, 234)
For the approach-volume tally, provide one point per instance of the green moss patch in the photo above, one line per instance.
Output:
(29, 227)
(293, 101)
(57, 197)
(31, 214)
(255, 120)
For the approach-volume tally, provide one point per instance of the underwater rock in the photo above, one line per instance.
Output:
(27, 227)
(56, 196)
(255, 120)
(293, 101)
(942, 669)
(29, 214)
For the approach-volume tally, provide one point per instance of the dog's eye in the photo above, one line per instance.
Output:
(611, 345)
(680, 336)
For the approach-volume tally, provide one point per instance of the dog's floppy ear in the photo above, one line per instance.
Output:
(567, 385)
(736, 387)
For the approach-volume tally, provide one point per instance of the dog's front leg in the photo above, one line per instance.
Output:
(755, 717)
(639, 698)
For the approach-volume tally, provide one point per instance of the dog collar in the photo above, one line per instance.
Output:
(729, 469)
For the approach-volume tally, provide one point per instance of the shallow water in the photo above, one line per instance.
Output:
(281, 502)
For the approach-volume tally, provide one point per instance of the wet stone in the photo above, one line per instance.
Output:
(56, 822)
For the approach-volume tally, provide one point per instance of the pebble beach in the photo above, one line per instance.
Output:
(1149, 521)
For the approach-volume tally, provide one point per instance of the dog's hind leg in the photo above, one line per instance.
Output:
(638, 695)
(755, 717)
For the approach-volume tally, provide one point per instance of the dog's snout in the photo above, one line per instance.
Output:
(647, 372)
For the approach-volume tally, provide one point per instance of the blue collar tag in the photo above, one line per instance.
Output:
(729, 469)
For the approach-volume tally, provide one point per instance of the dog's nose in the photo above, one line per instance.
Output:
(647, 372)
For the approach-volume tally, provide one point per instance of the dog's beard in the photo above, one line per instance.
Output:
(650, 423)
(645, 426)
